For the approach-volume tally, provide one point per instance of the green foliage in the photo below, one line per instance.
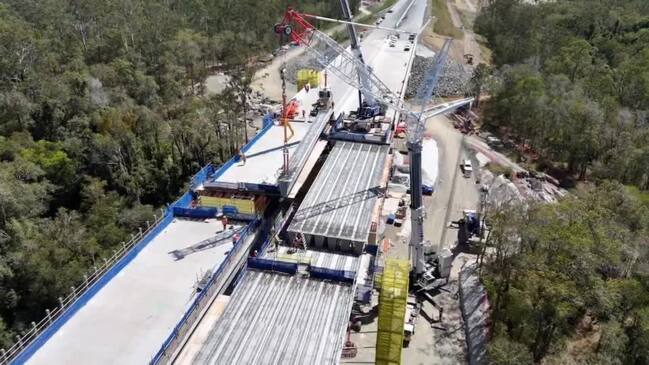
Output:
(555, 264)
(574, 82)
(500, 170)
(505, 352)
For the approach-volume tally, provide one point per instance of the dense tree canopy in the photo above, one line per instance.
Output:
(574, 82)
(103, 117)
(569, 282)
(557, 267)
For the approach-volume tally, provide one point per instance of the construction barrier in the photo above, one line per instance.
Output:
(202, 213)
(332, 274)
(201, 176)
(392, 311)
(272, 265)
(268, 120)
(215, 284)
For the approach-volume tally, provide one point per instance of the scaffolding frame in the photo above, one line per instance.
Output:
(392, 311)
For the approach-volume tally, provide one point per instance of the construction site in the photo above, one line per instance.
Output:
(323, 241)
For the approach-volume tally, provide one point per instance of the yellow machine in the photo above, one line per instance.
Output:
(392, 310)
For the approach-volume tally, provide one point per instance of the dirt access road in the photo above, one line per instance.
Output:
(462, 14)
(442, 341)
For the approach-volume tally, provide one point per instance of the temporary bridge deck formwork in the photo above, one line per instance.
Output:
(280, 319)
(337, 212)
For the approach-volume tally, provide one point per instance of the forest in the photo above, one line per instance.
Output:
(569, 282)
(103, 119)
(572, 83)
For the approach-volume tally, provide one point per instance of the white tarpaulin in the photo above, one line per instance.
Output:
(429, 162)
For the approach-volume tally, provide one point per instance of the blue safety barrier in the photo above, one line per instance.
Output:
(268, 120)
(201, 176)
(83, 298)
(199, 300)
(372, 249)
(331, 274)
(272, 265)
(200, 212)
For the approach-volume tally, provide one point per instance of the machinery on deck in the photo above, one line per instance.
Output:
(351, 69)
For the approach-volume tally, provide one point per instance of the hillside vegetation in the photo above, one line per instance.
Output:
(569, 282)
(102, 119)
(574, 83)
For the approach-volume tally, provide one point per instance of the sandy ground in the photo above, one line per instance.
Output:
(435, 342)
(463, 13)
(268, 81)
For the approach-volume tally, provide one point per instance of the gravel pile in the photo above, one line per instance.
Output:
(452, 82)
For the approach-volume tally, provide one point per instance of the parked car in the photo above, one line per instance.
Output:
(467, 168)
(426, 189)
(494, 142)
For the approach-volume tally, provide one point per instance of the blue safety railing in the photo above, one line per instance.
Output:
(199, 212)
(323, 273)
(215, 282)
(30, 341)
(272, 265)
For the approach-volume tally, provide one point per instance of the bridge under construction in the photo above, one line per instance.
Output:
(262, 261)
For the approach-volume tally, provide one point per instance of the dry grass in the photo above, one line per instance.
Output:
(443, 23)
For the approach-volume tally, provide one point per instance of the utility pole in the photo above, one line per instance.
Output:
(284, 120)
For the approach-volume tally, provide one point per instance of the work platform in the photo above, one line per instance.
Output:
(126, 321)
(279, 319)
(321, 259)
(337, 212)
(306, 154)
(264, 159)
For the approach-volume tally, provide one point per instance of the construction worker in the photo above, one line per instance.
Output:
(224, 221)
(235, 238)
(242, 157)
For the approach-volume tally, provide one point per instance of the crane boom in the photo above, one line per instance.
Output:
(363, 72)
(351, 70)
(340, 21)
(328, 53)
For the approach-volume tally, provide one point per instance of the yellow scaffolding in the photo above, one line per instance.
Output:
(392, 311)
(307, 76)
